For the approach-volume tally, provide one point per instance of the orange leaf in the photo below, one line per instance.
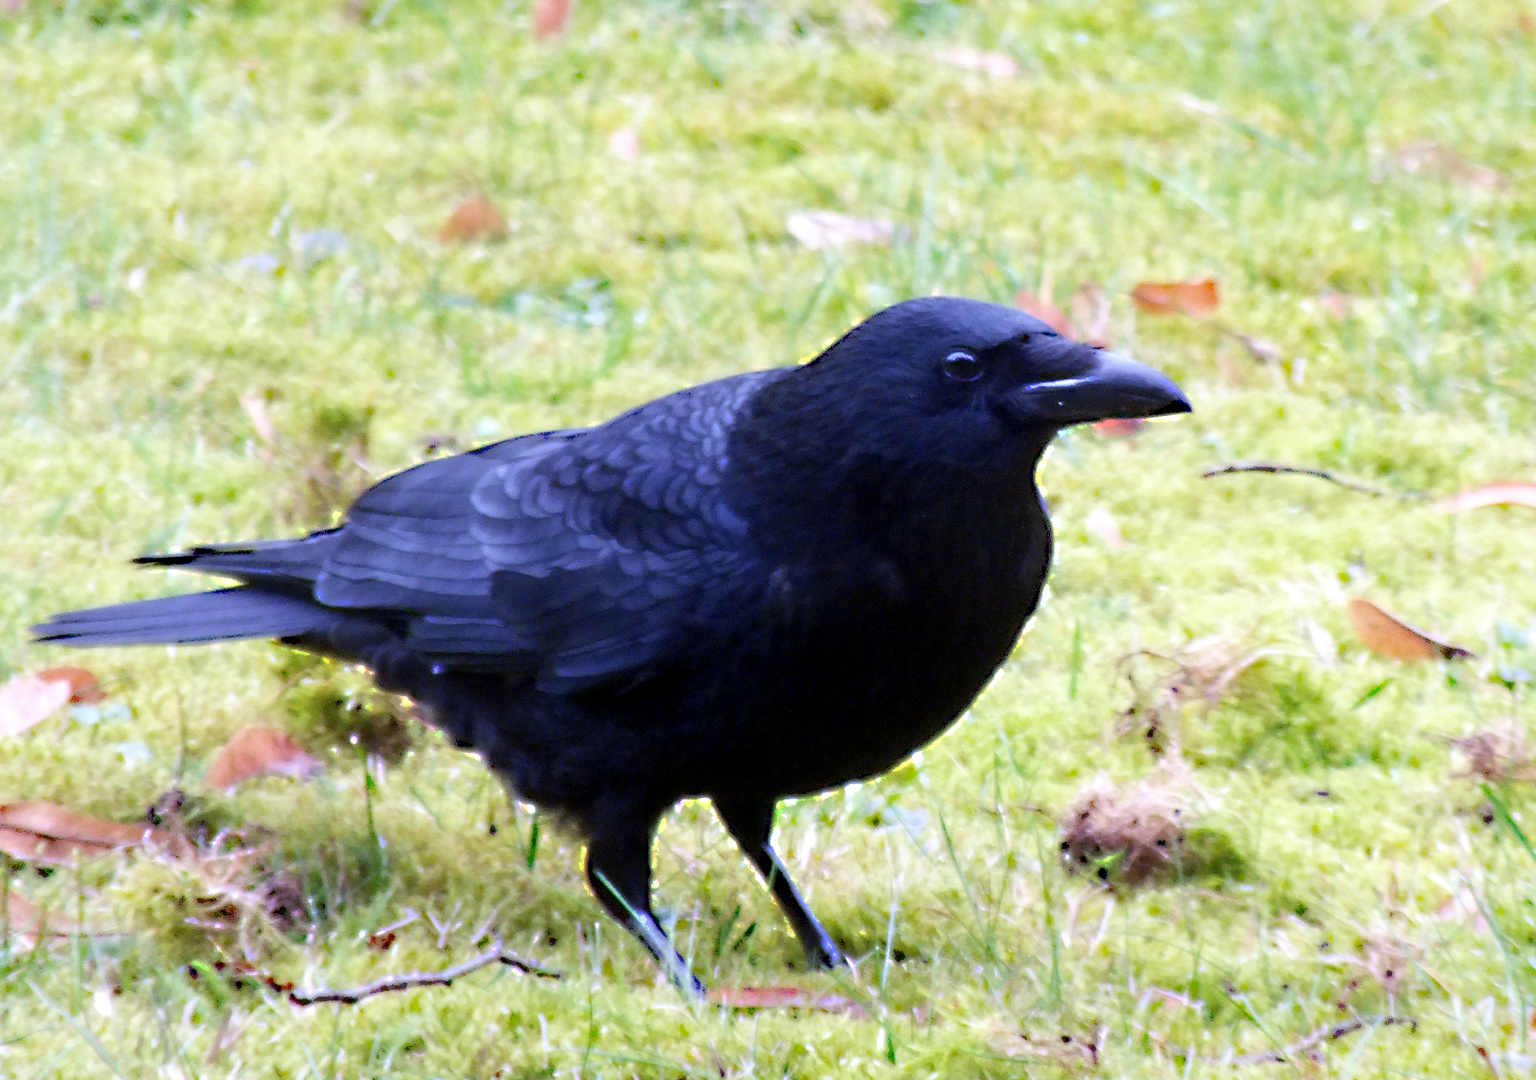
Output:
(1196, 298)
(28, 700)
(1386, 635)
(1503, 493)
(550, 18)
(476, 218)
(84, 689)
(783, 997)
(260, 751)
(49, 833)
(28, 922)
(1046, 312)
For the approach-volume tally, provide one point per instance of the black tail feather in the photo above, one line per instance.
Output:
(223, 615)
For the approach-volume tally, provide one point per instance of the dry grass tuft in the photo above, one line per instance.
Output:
(1133, 833)
(222, 892)
(1205, 671)
(1496, 754)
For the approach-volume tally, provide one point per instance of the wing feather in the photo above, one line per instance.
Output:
(581, 558)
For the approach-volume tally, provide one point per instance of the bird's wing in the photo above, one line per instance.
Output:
(581, 558)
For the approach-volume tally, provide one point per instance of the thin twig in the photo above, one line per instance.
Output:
(1322, 1035)
(1297, 470)
(411, 979)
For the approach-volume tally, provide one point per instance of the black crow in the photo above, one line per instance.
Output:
(756, 588)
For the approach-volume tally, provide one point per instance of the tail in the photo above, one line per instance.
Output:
(224, 615)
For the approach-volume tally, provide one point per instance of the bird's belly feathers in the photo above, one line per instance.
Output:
(866, 686)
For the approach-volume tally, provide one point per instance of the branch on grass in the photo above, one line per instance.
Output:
(412, 979)
(1296, 470)
(1331, 1033)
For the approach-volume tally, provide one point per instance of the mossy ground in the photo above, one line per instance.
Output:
(200, 202)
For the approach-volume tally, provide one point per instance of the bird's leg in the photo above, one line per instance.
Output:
(619, 874)
(751, 823)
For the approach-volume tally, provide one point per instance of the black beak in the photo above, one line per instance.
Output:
(1113, 387)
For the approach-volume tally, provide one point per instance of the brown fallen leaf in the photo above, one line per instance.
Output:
(1042, 308)
(822, 229)
(84, 687)
(1335, 303)
(550, 18)
(1438, 160)
(1386, 635)
(28, 923)
(48, 833)
(476, 218)
(1503, 493)
(1090, 314)
(1197, 298)
(996, 64)
(255, 405)
(784, 997)
(28, 700)
(260, 751)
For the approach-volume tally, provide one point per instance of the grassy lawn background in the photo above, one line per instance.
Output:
(241, 199)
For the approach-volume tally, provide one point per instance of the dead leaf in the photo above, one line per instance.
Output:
(783, 997)
(28, 700)
(624, 144)
(260, 751)
(255, 406)
(823, 229)
(48, 833)
(476, 218)
(1338, 304)
(550, 18)
(1090, 314)
(1438, 160)
(1047, 312)
(1503, 493)
(1386, 635)
(1101, 525)
(84, 688)
(1197, 298)
(28, 923)
(996, 64)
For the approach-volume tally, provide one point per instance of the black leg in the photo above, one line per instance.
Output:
(619, 873)
(751, 823)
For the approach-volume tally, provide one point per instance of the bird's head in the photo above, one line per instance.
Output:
(955, 378)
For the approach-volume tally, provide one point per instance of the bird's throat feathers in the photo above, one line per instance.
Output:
(831, 469)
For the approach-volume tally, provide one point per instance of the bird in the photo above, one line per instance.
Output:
(757, 588)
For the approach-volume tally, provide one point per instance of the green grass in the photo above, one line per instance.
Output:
(200, 202)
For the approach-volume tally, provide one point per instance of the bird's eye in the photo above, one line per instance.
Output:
(961, 366)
